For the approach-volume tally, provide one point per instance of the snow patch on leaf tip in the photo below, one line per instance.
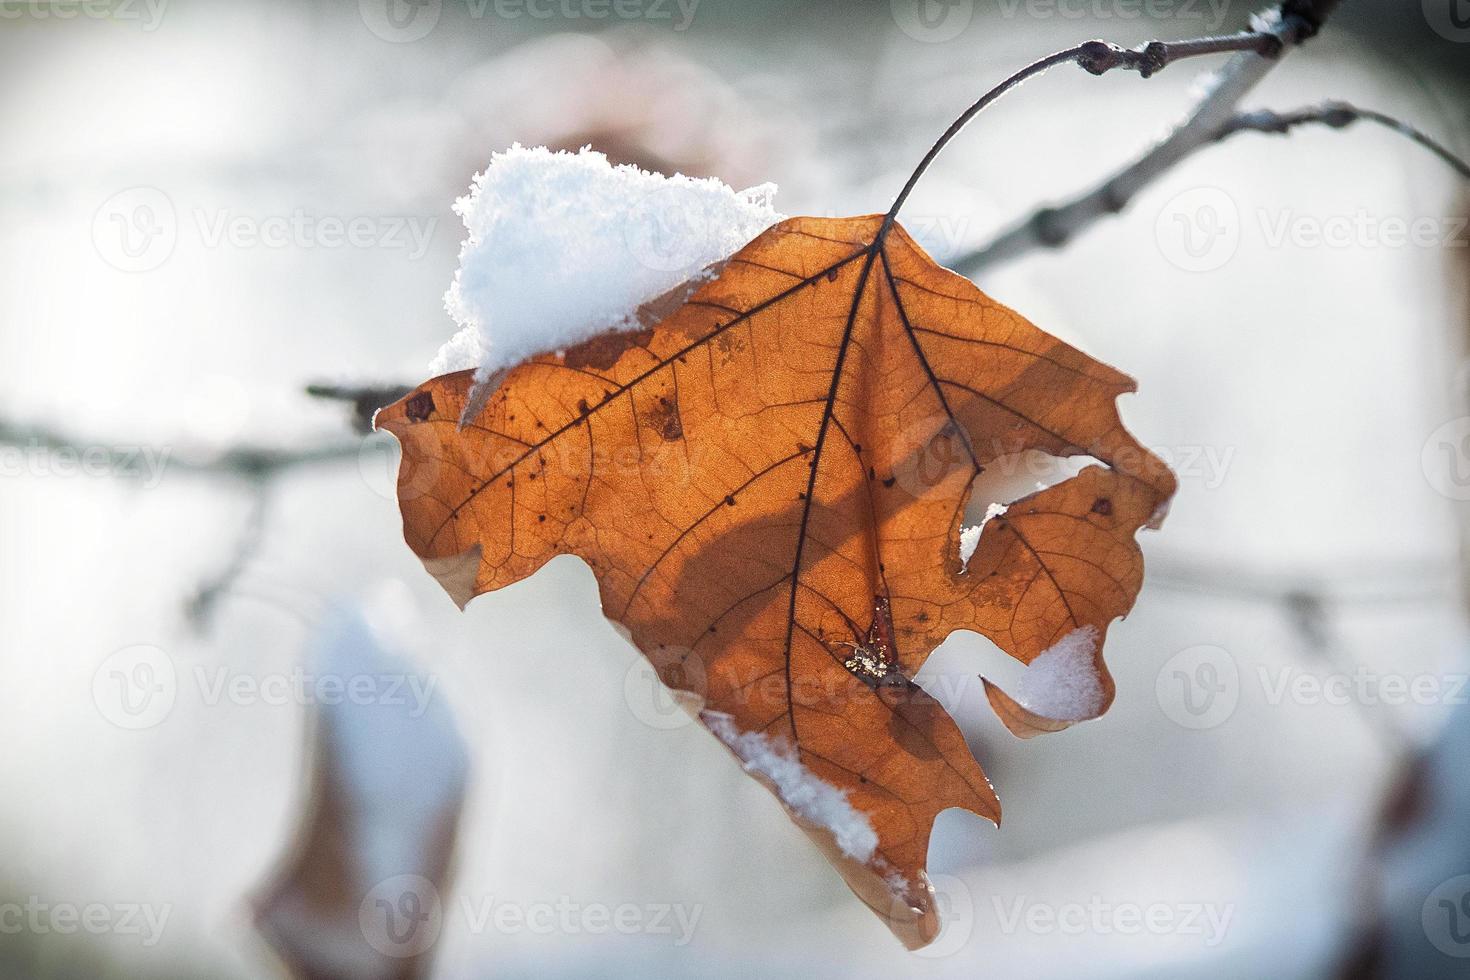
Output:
(563, 246)
(1062, 682)
(799, 788)
(970, 536)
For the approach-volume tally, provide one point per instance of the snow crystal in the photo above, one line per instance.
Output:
(970, 536)
(563, 246)
(1062, 681)
(800, 789)
(969, 541)
(1266, 21)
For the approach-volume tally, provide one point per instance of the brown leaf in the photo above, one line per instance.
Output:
(360, 892)
(769, 486)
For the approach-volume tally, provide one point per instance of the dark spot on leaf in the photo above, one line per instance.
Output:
(890, 481)
(419, 407)
(603, 351)
(1103, 506)
(667, 421)
(730, 501)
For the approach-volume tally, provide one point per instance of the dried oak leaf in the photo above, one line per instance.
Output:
(769, 485)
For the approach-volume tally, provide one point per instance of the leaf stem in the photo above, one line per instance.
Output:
(1035, 68)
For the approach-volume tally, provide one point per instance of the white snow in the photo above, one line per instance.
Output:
(1062, 682)
(563, 246)
(802, 790)
(970, 536)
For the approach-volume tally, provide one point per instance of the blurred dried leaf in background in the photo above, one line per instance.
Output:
(362, 892)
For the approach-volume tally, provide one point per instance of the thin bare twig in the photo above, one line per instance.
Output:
(365, 399)
(1338, 115)
(45, 451)
(117, 458)
(1054, 226)
(202, 606)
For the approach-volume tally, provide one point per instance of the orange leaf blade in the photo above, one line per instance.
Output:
(755, 484)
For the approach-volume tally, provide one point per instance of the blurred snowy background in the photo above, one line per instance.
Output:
(204, 207)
